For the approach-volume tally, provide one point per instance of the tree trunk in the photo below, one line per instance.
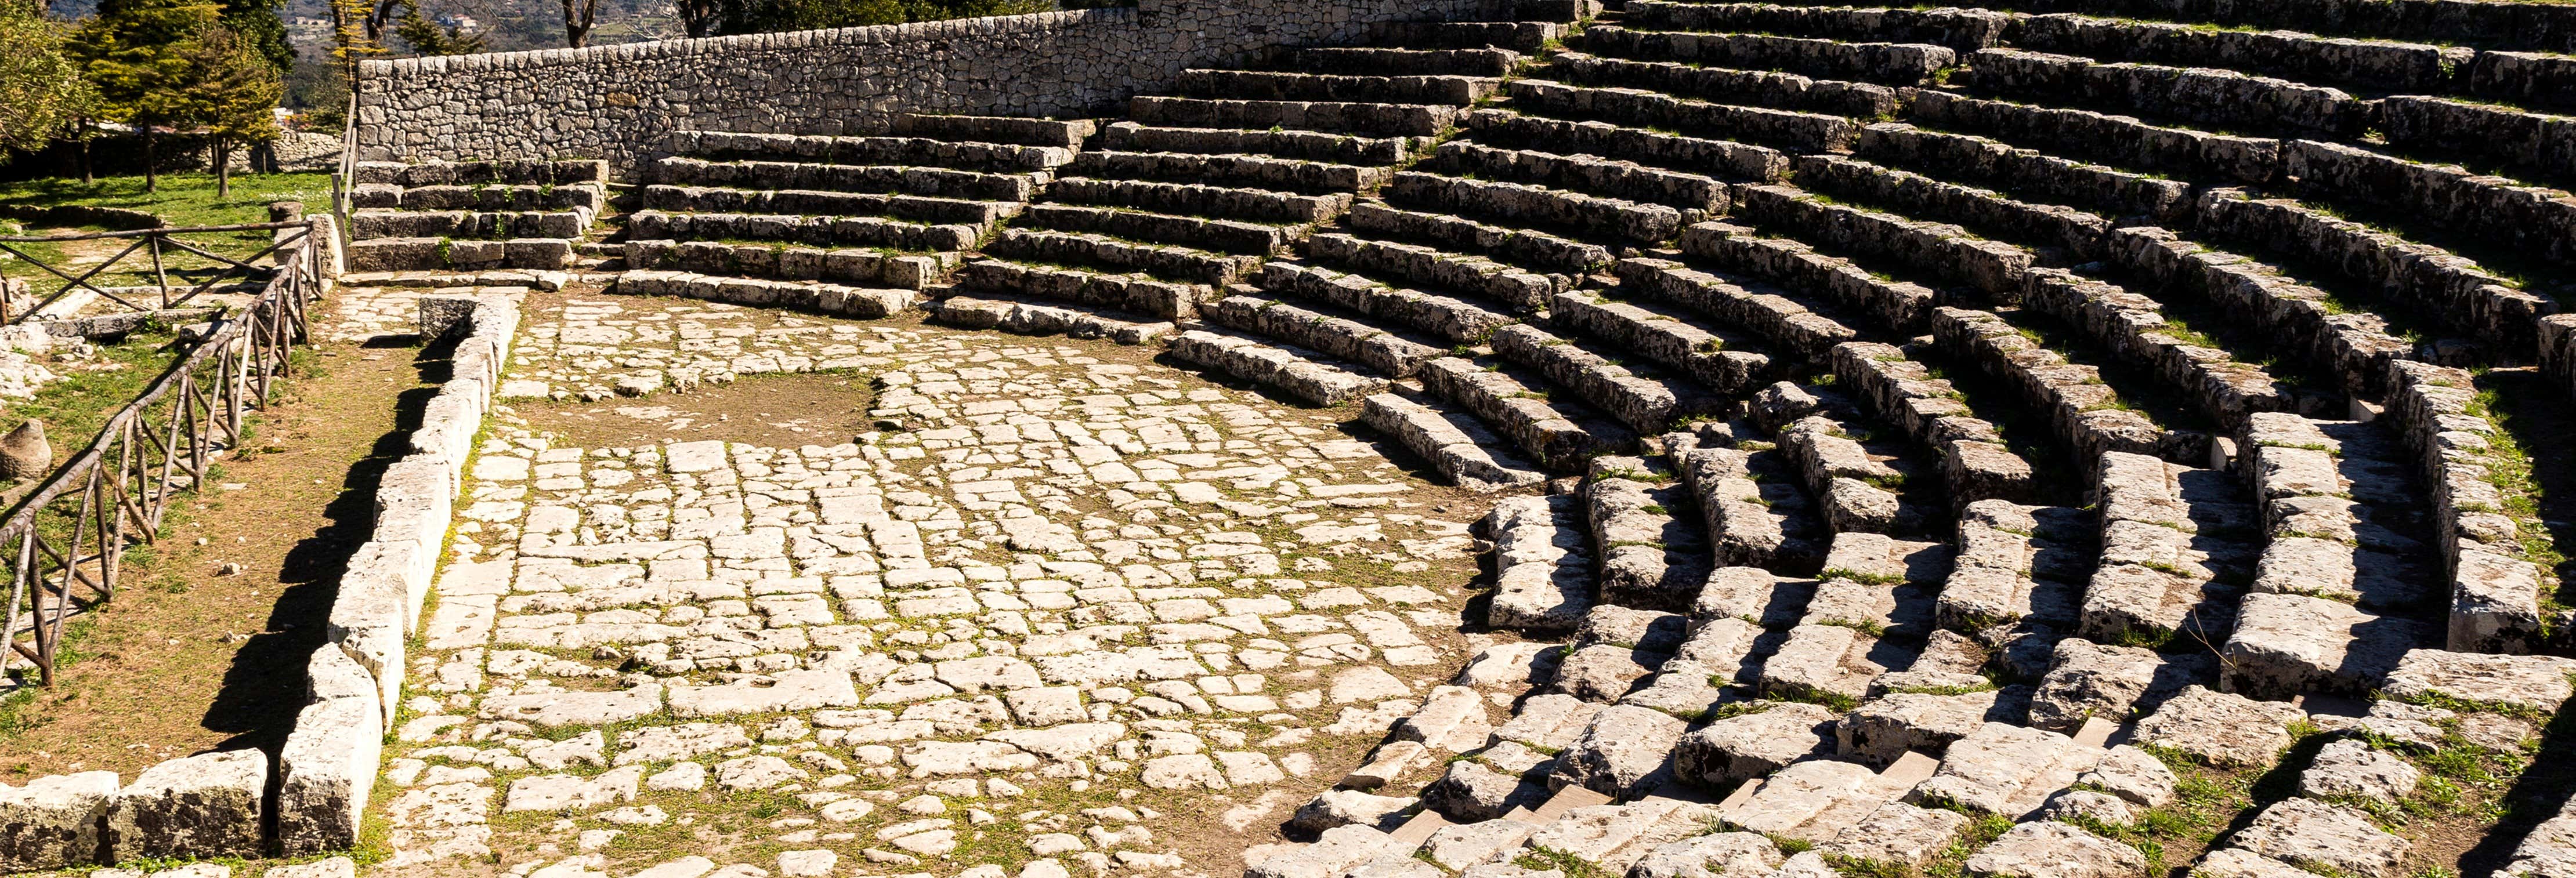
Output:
(151, 171)
(86, 177)
(223, 150)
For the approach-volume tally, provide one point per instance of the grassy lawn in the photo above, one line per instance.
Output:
(183, 200)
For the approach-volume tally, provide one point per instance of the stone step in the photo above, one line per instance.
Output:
(1030, 317)
(1217, 235)
(2494, 581)
(834, 299)
(1894, 385)
(2006, 770)
(2027, 173)
(2061, 235)
(1964, 30)
(2353, 348)
(2123, 141)
(1651, 559)
(1266, 85)
(1781, 323)
(1936, 249)
(1756, 515)
(2086, 682)
(1729, 158)
(2088, 416)
(364, 224)
(1542, 584)
(848, 265)
(2376, 65)
(1815, 800)
(1560, 434)
(1063, 134)
(1647, 402)
(2224, 389)
(1703, 674)
(1183, 264)
(1257, 205)
(443, 255)
(1526, 37)
(2436, 286)
(1528, 204)
(1831, 664)
(1827, 281)
(1596, 175)
(1761, 88)
(1640, 108)
(1367, 61)
(1441, 316)
(817, 202)
(1455, 444)
(1287, 144)
(2202, 96)
(410, 279)
(988, 157)
(1856, 477)
(2526, 217)
(1727, 364)
(1366, 119)
(1656, 37)
(2529, 143)
(1259, 171)
(1387, 353)
(1301, 373)
(846, 177)
(504, 172)
(820, 231)
(2177, 550)
(484, 198)
(1414, 264)
(1136, 293)
(2018, 563)
(1880, 585)
(1565, 258)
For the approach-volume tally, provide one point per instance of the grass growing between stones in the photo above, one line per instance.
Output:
(2539, 489)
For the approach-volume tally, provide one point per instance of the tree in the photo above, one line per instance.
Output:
(42, 93)
(172, 64)
(428, 38)
(579, 17)
(763, 16)
(232, 95)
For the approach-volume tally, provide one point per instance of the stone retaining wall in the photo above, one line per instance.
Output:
(621, 102)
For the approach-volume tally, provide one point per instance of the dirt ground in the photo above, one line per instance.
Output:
(187, 659)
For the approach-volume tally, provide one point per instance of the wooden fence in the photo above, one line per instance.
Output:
(65, 539)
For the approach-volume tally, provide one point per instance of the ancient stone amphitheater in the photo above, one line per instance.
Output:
(2047, 442)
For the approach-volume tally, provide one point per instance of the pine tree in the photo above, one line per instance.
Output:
(232, 95)
(428, 38)
(41, 90)
(137, 53)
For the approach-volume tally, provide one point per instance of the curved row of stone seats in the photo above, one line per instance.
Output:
(1688, 32)
(1028, 317)
(1788, 91)
(2533, 220)
(2349, 349)
(1304, 374)
(1686, 117)
(1386, 353)
(2539, 27)
(471, 216)
(2203, 96)
(2124, 141)
(1726, 362)
(1455, 444)
(1654, 194)
(2495, 586)
(1438, 315)
(2057, 235)
(2179, 548)
(1559, 433)
(865, 303)
(1642, 397)
(1195, 190)
(2445, 288)
(1960, 29)
(2336, 591)
(2377, 65)
(1859, 480)
(2085, 413)
(894, 209)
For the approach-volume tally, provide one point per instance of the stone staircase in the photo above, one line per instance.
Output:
(521, 215)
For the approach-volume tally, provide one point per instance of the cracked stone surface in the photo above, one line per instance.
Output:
(1078, 605)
